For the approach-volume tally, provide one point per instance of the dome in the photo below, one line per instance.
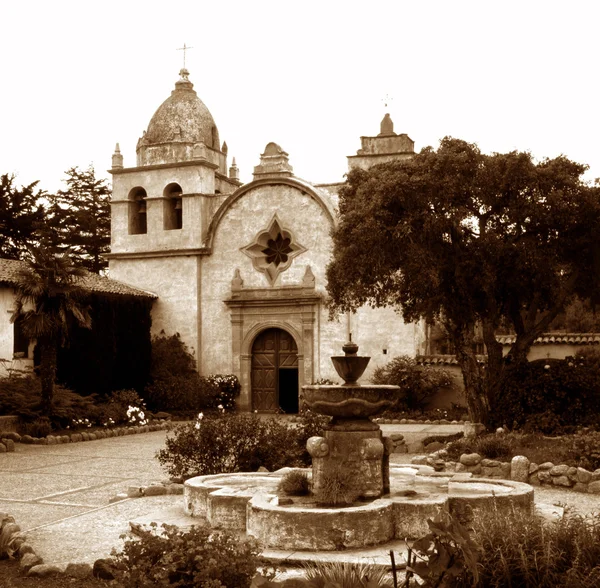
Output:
(182, 119)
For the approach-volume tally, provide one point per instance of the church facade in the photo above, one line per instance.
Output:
(239, 269)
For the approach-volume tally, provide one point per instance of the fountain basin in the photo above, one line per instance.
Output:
(249, 502)
(350, 401)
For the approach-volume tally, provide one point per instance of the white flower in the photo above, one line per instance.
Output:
(546, 367)
(200, 416)
(197, 426)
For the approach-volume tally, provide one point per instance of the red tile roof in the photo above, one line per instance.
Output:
(10, 268)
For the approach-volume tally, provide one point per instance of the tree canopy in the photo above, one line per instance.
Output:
(80, 216)
(469, 239)
(21, 214)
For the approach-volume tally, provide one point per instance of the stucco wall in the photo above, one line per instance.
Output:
(175, 281)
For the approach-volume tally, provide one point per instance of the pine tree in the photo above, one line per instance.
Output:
(80, 215)
(21, 213)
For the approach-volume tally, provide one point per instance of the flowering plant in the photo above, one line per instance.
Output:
(136, 416)
(80, 423)
(228, 387)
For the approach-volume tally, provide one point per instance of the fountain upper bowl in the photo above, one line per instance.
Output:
(350, 401)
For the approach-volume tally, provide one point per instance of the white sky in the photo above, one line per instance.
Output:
(77, 77)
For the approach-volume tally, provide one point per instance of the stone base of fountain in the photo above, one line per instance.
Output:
(249, 503)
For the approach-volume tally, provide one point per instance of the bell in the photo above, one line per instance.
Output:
(142, 208)
(178, 205)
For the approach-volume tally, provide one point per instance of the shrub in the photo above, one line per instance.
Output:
(550, 395)
(345, 575)
(294, 483)
(490, 446)
(418, 383)
(40, 427)
(523, 550)
(197, 558)
(337, 487)
(442, 438)
(218, 443)
(118, 404)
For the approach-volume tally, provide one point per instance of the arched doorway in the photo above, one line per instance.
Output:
(275, 372)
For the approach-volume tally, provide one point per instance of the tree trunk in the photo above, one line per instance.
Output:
(473, 373)
(48, 361)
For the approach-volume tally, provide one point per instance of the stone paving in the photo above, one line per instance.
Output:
(59, 494)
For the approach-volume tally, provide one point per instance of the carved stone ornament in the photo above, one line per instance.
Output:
(273, 250)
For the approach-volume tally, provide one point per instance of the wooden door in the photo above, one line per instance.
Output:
(273, 349)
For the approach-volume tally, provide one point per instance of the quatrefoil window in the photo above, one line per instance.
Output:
(273, 250)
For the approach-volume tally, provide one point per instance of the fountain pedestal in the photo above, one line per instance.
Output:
(352, 448)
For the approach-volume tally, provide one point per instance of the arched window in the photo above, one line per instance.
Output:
(137, 212)
(173, 207)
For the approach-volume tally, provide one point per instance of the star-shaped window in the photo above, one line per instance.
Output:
(273, 250)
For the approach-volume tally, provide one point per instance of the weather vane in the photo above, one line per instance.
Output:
(184, 49)
(386, 100)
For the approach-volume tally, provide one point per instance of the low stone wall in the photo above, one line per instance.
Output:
(519, 469)
(8, 439)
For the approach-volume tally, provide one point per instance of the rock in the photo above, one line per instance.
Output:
(476, 469)
(27, 439)
(596, 475)
(533, 467)
(580, 487)
(25, 548)
(29, 560)
(155, 490)
(473, 429)
(3, 448)
(104, 569)
(175, 489)
(12, 436)
(435, 446)
(594, 487)
(76, 437)
(78, 570)
(401, 449)
(490, 463)
(66, 439)
(51, 439)
(283, 501)
(85, 436)
(572, 472)
(470, 459)
(397, 437)
(43, 571)
(443, 453)
(135, 491)
(544, 477)
(419, 460)
(559, 470)
(547, 465)
(584, 476)
(118, 498)
(439, 465)
(460, 467)
(562, 481)
(262, 469)
(10, 529)
(505, 470)
(534, 480)
(92, 437)
(500, 431)
(519, 468)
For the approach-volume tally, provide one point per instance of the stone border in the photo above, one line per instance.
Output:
(9, 438)
(519, 469)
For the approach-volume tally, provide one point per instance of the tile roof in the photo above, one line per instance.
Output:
(10, 268)
(556, 338)
(444, 359)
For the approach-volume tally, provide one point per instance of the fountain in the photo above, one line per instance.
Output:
(388, 502)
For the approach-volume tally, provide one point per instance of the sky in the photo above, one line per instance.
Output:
(312, 76)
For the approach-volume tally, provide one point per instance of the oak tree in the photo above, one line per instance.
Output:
(471, 240)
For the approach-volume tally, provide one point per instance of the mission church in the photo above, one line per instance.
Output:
(239, 269)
